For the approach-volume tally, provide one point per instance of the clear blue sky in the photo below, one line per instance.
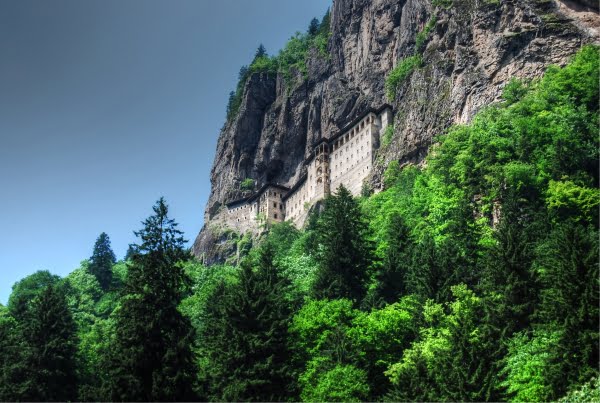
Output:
(106, 105)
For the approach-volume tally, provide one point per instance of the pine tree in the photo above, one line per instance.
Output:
(13, 352)
(26, 290)
(506, 275)
(567, 264)
(325, 21)
(242, 75)
(391, 278)
(260, 52)
(152, 359)
(230, 103)
(102, 261)
(131, 251)
(248, 336)
(313, 27)
(50, 333)
(345, 252)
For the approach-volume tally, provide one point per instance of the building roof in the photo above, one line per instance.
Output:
(290, 191)
(356, 120)
(295, 187)
(265, 187)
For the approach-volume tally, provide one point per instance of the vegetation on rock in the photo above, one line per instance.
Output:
(472, 278)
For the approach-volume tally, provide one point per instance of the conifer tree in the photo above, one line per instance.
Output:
(345, 252)
(325, 21)
(313, 27)
(152, 358)
(567, 264)
(26, 290)
(243, 75)
(13, 352)
(102, 261)
(507, 275)
(248, 335)
(131, 251)
(391, 278)
(260, 52)
(230, 103)
(51, 343)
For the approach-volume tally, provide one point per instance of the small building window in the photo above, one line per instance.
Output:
(275, 215)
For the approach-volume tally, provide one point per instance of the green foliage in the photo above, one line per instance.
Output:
(342, 383)
(424, 34)
(471, 278)
(567, 199)
(247, 184)
(447, 362)
(388, 134)
(13, 351)
(514, 91)
(589, 392)
(400, 73)
(567, 266)
(50, 354)
(344, 254)
(27, 289)
(391, 278)
(329, 334)
(529, 365)
(290, 62)
(152, 355)
(102, 261)
(248, 356)
(313, 27)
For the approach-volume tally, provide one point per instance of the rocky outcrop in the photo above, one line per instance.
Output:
(473, 50)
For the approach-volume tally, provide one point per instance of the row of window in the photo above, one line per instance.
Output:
(353, 132)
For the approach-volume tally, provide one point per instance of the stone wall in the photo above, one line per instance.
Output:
(352, 155)
(344, 159)
(240, 216)
(297, 201)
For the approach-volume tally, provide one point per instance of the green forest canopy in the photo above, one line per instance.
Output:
(474, 278)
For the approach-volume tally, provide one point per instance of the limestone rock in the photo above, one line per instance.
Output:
(474, 49)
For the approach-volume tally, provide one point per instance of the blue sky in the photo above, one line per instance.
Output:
(106, 105)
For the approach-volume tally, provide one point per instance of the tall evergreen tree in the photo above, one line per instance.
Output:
(313, 27)
(391, 277)
(102, 261)
(230, 103)
(261, 51)
(506, 273)
(26, 290)
(13, 352)
(325, 21)
(248, 336)
(344, 252)
(567, 264)
(242, 75)
(152, 359)
(50, 333)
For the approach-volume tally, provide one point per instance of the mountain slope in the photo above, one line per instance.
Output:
(467, 52)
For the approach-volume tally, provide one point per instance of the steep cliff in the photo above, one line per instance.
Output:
(469, 49)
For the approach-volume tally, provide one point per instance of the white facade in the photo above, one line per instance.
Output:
(344, 159)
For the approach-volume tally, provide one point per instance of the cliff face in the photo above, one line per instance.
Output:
(474, 48)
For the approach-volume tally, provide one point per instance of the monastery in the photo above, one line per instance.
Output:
(343, 159)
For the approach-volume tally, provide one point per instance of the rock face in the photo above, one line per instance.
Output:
(474, 48)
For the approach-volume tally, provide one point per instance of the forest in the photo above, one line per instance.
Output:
(473, 277)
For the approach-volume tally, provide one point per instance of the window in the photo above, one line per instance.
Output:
(274, 204)
(275, 215)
